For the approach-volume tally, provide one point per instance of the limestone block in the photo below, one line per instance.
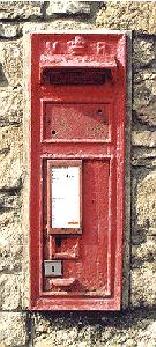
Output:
(10, 291)
(67, 7)
(144, 99)
(9, 30)
(57, 25)
(20, 10)
(126, 330)
(145, 198)
(12, 111)
(11, 158)
(11, 62)
(144, 156)
(144, 253)
(144, 102)
(11, 171)
(152, 19)
(12, 329)
(10, 199)
(143, 52)
(131, 15)
(11, 241)
(143, 273)
(144, 138)
(143, 285)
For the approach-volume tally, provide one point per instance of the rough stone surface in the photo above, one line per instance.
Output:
(67, 7)
(19, 10)
(144, 156)
(144, 103)
(100, 330)
(11, 98)
(11, 75)
(12, 329)
(145, 198)
(131, 15)
(11, 62)
(10, 241)
(144, 138)
(143, 267)
(10, 291)
(58, 24)
(143, 283)
(9, 31)
(11, 155)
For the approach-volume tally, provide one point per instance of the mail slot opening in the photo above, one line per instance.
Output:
(75, 76)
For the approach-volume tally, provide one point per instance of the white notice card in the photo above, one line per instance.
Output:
(66, 197)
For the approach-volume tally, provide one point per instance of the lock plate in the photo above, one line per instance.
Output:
(53, 268)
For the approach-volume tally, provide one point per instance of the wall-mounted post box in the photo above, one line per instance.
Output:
(77, 157)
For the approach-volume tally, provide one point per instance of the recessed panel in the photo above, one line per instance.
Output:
(76, 122)
(65, 204)
(64, 197)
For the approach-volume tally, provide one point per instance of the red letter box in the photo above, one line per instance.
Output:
(77, 170)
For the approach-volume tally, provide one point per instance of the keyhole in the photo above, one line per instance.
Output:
(53, 132)
(58, 242)
(52, 269)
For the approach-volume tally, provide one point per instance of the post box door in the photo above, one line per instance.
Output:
(79, 230)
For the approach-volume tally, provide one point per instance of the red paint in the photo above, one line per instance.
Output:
(84, 123)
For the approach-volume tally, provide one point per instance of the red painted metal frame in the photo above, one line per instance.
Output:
(40, 152)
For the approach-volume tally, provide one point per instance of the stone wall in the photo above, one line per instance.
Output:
(136, 325)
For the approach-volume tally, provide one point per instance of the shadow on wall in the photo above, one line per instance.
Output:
(143, 215)
(3, 79)
(94, 327)
(144, 64)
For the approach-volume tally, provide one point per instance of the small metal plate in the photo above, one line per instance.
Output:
(66, 197)
(52, 268)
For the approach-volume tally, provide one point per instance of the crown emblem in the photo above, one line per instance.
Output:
(77, 46)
